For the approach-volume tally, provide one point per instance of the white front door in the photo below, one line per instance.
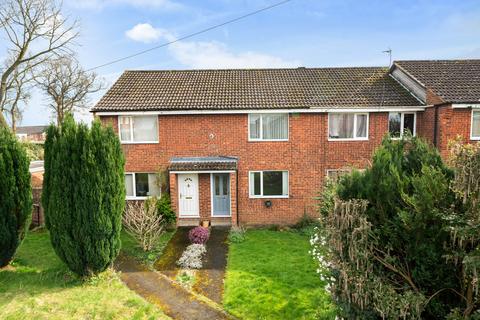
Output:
(188, 195)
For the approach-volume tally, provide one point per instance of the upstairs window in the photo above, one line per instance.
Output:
(138, 129)
(400, 123)
(475, 135)
(141, 185)
(268, 126)
(269, 184)
(348, 126)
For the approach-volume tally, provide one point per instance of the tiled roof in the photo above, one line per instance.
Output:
(456, 81)
(31, 129)
(203, 163)
(238, 89)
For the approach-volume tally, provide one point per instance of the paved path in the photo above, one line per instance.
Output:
(210, 277)
(174, 300)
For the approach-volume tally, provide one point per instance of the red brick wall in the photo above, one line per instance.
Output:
(307, 155)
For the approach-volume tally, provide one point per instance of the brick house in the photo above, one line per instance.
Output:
(253, 147)
(34, 134)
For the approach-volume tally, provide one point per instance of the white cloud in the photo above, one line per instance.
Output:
(207, 54)
(146, 33)
(216, 55)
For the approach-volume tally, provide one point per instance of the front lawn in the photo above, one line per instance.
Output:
(39, 286)
(271, 275)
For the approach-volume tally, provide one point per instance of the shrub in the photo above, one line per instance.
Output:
(236, 235)
(15, 195)
(192, 256)
(381, 244)
(142, 222)
(164, 207)
(199, 235)
(34, 150)
(84, 194)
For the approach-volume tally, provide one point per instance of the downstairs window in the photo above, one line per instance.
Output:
(268, 184)
(141, 185)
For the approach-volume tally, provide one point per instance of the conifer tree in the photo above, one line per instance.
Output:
(84, 194)
(15, 195)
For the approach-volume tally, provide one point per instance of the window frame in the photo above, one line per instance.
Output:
(402, 124)
(134, 187)
(261, 127)
(472, 137)
(131, 141)
(251, 190)
(355, 114)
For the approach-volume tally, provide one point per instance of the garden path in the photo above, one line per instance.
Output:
(209, 279)
(174, 300)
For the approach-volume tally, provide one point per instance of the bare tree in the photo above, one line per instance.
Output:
(142, 221)
(67, 85)
(18, 93)
(34, 31)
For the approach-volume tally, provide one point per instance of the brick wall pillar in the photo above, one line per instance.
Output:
(174, 193)
(233, 195)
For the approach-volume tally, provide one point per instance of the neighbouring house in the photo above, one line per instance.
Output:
(253, 147)
(34, 134)
(36, 172)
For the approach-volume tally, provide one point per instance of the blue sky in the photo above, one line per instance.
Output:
(312, 33)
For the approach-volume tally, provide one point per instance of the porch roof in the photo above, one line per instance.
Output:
(203, 163)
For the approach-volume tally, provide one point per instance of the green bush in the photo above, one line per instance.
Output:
(236, 235)
(164, 206)
(384, 233)
(84, 194)
(15, 195)
(34, 150)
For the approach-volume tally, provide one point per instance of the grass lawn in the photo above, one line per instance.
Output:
(39, 286)
(131, 247)
(271, 275)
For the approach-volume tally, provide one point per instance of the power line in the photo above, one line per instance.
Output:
(192, 34)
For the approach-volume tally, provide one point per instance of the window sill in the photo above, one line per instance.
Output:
(267, 140)
(139, 142)
(475, 138)
(269, 197)
(347, 139)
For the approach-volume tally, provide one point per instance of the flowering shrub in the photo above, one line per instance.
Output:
(199, 235)
(192, 257)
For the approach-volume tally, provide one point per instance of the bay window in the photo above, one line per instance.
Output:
(475, 131)
(138, 129)
(268, 184)
(400, 123)
(268, 126)
(141, 185)
(348, 126)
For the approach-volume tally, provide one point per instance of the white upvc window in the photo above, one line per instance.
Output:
(348, 126)
(268, 127)
(138, 129)
(268, 184)
(475, 126)
(141, 185)
(400, 123)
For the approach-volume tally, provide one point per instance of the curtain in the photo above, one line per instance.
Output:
(341, 125)
(254, 126)
(129, 185)
(361, 126)
(153, 188)
(125, 134)
(145, 128)
(476, 124)
(275, 126)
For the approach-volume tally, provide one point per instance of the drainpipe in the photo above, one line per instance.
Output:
(236, 195)
(435, 127)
